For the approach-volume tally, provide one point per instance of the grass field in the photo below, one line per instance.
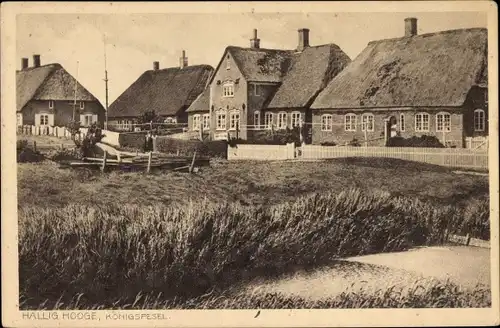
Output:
(249, 183)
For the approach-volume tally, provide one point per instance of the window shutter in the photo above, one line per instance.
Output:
(94, 118)
(37, 119)
(82, 119)
(51, 119)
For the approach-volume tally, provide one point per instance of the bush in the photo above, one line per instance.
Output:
(268, 137)
(423, 141)
(216, 148)
(132, 140)
(328, 143)
(188, 250)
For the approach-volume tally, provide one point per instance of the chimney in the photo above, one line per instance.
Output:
(36, 60)
(410, 26)
(183, 61)
(303, 39)
(156, 65)
(255, 42)
(24, 63)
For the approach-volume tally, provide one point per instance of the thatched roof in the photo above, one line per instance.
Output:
(263, 65)
(48, 82)
(436, 69)
(201, 103)
(167, 91)
(309, 73)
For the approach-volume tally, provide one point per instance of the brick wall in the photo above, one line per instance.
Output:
(62, 111)
(338, 134)
(228, 104)
(475, 100)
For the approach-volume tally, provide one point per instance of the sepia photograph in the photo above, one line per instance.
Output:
(248, 160)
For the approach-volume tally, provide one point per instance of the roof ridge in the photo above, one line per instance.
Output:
(260, 49)
(429, 34)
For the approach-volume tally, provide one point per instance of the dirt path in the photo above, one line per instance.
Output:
(466, 266)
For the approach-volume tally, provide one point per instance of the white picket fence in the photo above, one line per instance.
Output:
(261, 152)
(449, 157)
(110, 137)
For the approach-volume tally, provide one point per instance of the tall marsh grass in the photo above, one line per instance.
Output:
(115, 252)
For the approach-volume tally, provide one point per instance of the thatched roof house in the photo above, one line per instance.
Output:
(168, 92)
(45, 95)
(431, 84)
(255, 87)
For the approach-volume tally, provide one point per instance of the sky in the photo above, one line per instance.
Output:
(135, 41)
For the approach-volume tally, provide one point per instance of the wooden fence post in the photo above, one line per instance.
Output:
(150, 156)
(103, 167)
(34, 146)
(192, 162)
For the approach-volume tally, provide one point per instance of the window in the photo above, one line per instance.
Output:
(268, 120)
(256, 119)
(82, 105)
(19, 118)
(282, 120)
(206, 121)
(326, 122)
(402, 122)
(124, 124)
(257, 90)
(228, 62)
(221, 121)
(422, 122)
(234, 121)
(86, 119)
(350, 122)
(479, 120)
(228, 89)
(51, 104)
(196, 122)
(367, 122)
(443, 122)
(295, 119)
(168, 120)
(44, 119)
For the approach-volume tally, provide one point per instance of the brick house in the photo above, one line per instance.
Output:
(168, 92)
(255, 89)
(432, 84)
(45, 96)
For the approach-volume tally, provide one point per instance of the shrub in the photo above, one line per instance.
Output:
(216, 148)
(134, 140)
(423, 141)
(268, 137)
(188, 250)
(328, 143)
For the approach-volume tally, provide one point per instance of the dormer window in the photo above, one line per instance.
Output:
(51, 104)
(228, 89)
(228, 62)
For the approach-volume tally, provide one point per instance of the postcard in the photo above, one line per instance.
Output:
(256, 164)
